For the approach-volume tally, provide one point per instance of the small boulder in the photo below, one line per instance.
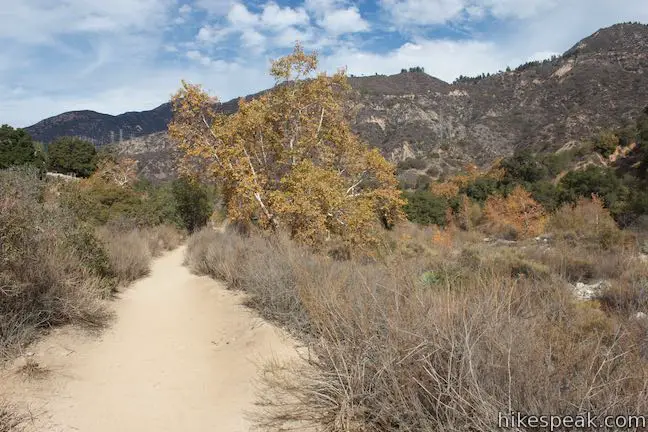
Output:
(584, 291)
(641, 316)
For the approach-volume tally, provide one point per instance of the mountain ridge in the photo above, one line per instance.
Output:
(600, 82)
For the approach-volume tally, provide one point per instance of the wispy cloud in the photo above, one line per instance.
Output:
(119, 55)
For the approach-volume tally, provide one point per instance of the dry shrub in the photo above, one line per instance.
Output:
(582, 262)
(10, 421)
(430, 343)
(215, 254)
(163, 238)
(628, 294)
(443, 238)
(586, 221)
(517, 215)
(131, 249)
(52, 271)
(469, 215)
(129, 253)
(266, 268)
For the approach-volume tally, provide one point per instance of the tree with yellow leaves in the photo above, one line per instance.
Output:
(517, 213)
(289, 158)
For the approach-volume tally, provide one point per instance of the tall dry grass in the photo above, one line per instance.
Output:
(131, 249)
(55, 270)
(51, 272)
(431, 342)
(10, 421)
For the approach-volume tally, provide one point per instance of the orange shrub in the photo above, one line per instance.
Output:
(517, 214)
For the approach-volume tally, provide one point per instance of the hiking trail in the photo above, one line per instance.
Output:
(183, 354)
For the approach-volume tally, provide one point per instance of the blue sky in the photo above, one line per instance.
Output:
(114, 56)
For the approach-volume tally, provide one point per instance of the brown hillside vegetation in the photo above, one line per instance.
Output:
(56, 268)
(421, 329)
(443, 338)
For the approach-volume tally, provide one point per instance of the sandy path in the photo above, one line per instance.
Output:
(182, 355)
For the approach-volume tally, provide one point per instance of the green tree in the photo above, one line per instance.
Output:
(194, 203)
(481, 188)
(72, 155)
(602, 182)
(16, 147)
(524, 167)
(426, 208)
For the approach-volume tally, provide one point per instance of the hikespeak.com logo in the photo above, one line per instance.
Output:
(585, 421)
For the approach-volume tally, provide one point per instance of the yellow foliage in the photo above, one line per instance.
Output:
(518, 213)
(447, 189)
(289, 158)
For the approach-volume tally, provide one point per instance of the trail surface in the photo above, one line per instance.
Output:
(182, 355)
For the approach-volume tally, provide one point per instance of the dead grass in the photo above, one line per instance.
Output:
(32, 370)
(10, 421)
(131, 249)
(437, 341)
(50, 273)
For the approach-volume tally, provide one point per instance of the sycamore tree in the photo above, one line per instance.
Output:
(289, 158)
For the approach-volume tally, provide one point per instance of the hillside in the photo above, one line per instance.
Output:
(601, 82)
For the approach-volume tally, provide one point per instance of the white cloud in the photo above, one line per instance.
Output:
(279, 18)
(343, 21)
(105, 56)
(211, 34)
(423, 11)
(185, 10)
(253, 39)
(444, 59)
(31, 21)
(199, 57)
(517, 8)
(288, 36)
(320, 7)
(239, 15)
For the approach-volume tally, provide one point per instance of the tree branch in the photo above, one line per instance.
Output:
(319, 127)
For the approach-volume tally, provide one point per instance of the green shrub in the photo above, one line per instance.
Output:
(558, 162)
(606, 143)
(524, 166)
(546, 193)
(483, 187)
(69, 155)
(602, 182)
(425, 208)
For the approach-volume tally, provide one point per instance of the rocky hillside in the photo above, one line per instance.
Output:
(601, 82)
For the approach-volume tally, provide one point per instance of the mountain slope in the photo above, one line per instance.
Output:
(599, 83)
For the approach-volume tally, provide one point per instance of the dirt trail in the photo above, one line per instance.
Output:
(182, 355)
